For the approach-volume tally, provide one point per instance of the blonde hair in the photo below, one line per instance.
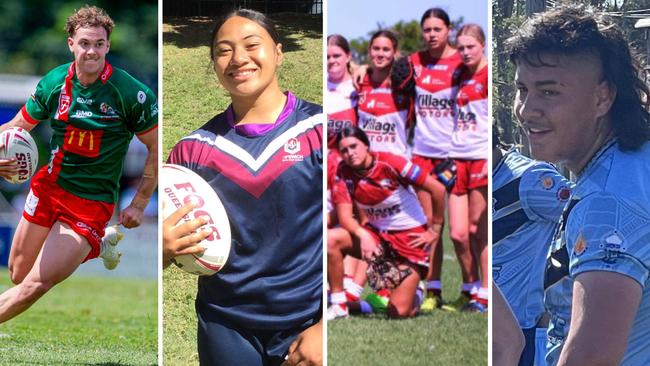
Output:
(472, 30)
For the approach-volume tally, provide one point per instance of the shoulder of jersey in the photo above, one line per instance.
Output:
(308, 108)
(56, 75)
(133, 86)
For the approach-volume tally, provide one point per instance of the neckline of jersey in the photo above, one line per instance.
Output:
(259, 129)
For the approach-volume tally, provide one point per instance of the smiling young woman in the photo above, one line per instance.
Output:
(263, 156)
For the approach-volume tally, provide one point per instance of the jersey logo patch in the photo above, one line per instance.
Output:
(580, 246)
(30, 203)
(82, 142)
(255, 175)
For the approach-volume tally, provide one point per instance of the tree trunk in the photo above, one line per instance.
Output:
(534, 6)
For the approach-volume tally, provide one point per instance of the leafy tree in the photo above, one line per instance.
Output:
(33, 39)
(408, 34)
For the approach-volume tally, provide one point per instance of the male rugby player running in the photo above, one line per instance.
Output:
(95, 109)
(582, 100)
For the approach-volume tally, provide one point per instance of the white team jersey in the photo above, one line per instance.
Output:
(436, 83)
(383, 116)
(470, 137)
(341, 109)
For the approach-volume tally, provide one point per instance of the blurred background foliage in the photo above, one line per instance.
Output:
(33, 39)
(408, 34)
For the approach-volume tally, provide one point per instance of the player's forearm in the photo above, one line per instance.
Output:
(347, 220)
(148, 182)
(18, 121)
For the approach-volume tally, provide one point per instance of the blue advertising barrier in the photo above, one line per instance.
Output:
(5, 243)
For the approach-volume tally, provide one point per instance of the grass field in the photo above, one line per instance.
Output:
(440, 338)
(192, 96)
(85, 321)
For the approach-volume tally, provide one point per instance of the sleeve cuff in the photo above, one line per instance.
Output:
(27, 117)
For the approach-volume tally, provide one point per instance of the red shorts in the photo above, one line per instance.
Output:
(400, 239)
(48, 203)
(426, 164)
(470, 174)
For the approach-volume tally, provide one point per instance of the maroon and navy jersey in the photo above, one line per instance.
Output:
(341, 109)
(384, 192)
(470, 137)
(436, 85)
(269, 179)
(384, 116)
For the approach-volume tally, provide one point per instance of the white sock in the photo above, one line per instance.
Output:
(354, 289)
(483, 293)
(338, 298)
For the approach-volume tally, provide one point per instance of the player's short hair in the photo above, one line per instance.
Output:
(259, 18)
(472, 30)
(352, 131)
(89, 16)
(436, 13)
(579, 30)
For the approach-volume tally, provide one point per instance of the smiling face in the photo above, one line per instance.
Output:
(470, 49)
(563, 108)
(354, 153)
(337, 63)
(381, 52)
(89, 46)
(245, 57)
(435, 33)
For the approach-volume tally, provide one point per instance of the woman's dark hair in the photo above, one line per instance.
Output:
(436, 13)
(253, 15)
(580, 31)
(352, 131)
(387, 34)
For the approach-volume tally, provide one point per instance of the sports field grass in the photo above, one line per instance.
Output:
(192, 96)
(85, 321)
(440, 338)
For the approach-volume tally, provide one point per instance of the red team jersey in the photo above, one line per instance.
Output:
(341, 109)
(384, 117)
(436, 85)
(384, 192)
(470, 136)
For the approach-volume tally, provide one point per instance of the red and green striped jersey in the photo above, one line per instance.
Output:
(92, 127)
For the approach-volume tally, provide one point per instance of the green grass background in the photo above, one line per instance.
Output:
(438, 338)
(85, 321)
(191, 97)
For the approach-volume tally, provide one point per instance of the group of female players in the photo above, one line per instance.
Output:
(407, 138)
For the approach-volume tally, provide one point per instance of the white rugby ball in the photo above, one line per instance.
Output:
(19, 144)
(180, 186)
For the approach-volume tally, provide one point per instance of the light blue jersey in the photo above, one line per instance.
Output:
(527, 201)
(607, 229)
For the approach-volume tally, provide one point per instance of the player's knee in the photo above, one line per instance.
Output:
(16, 273)
(459, 236)
(334, 245)
(398, 312)
(473, 230)
(15, 276)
